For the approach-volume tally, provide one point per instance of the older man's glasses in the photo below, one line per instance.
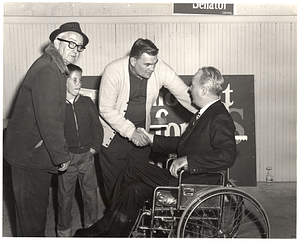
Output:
(73, 45)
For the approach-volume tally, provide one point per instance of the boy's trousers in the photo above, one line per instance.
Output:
(82, 167)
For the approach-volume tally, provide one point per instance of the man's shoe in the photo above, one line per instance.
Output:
(92, 231)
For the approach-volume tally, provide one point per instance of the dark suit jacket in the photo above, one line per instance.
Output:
(209, 144)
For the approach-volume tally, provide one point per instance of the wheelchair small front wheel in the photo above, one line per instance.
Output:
(224, 213)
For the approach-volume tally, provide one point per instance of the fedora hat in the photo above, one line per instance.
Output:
(72, 26)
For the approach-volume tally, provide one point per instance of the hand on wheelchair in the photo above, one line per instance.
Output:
(177, 165)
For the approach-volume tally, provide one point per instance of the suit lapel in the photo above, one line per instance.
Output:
(192, 126)
(189, 129)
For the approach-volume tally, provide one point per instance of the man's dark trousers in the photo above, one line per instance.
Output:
(32, 199)
(116, 156)
(134, 186)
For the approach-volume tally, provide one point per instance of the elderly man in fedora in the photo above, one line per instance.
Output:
(34, 143)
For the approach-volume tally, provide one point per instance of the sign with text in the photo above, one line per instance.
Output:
(203, 8)
(238, 97)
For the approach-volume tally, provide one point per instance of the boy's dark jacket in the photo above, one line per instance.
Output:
(83, 129)
(34, 138)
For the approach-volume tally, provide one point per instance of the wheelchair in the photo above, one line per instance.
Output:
(192, 210)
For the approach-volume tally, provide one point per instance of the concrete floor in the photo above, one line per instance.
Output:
(278, 200)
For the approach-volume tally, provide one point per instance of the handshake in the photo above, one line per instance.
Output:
(141, 137)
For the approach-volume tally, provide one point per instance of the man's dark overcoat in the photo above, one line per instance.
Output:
(34, 138)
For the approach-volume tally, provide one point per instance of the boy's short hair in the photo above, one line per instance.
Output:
(73, 67)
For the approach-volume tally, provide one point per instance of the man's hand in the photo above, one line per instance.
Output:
(150, 136)
(178, 164)
(139, 138)
(62, 167)
(92, 151)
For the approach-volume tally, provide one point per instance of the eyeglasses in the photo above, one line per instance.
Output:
(73, 45)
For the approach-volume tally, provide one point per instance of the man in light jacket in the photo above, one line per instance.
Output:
(129, 87)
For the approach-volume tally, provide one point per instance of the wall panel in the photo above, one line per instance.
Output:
(263, 46)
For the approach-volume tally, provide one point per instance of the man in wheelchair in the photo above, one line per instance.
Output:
(207, 145)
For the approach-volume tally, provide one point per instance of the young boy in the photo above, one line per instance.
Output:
(84, 135)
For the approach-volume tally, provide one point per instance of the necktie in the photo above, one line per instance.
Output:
(189, 128)
(197, 117)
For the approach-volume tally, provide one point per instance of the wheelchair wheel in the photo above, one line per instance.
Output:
(224, 213)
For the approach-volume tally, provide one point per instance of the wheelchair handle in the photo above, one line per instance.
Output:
(184, 169)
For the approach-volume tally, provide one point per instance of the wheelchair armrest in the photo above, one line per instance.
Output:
(222, 176)
(170, 159)
(223, 173)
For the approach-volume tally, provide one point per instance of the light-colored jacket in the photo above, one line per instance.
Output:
(114, 96)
